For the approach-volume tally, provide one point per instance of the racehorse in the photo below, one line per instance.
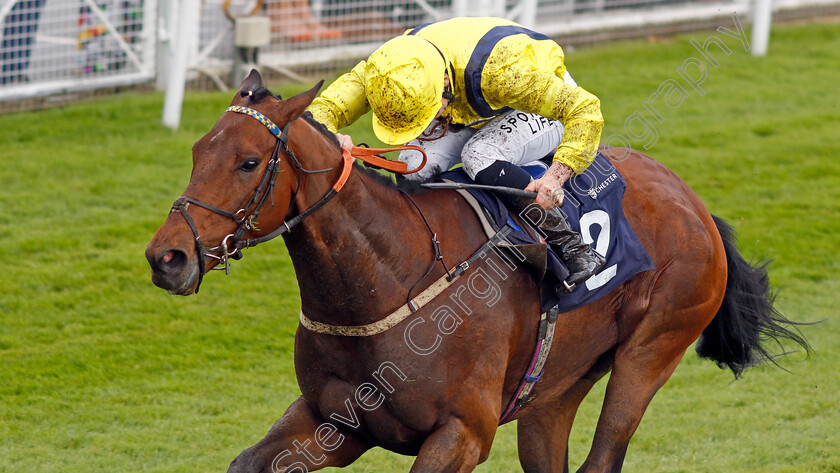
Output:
(362, 247)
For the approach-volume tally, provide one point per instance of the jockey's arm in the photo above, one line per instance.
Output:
(343, 102)
(582, 125)
(579, 111)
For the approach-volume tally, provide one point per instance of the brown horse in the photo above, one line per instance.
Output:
(437, 390)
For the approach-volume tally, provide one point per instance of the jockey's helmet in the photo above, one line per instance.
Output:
(404, 85)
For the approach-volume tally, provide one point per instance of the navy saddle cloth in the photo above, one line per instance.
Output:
(592, 208)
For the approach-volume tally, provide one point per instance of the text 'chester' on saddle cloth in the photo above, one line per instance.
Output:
(593, 208)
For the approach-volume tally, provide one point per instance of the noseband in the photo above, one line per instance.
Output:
(245, 218)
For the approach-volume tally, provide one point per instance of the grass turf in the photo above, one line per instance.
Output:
(101, 371)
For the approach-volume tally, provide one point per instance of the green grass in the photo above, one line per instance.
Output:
(101, 371)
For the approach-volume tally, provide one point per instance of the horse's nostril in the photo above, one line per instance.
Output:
(172, 260)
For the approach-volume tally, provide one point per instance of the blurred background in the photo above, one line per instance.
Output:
(55, 49)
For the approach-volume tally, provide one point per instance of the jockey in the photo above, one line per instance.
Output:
(485, 92)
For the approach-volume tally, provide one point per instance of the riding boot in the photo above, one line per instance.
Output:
(580, 259)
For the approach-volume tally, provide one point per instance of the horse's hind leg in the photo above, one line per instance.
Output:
(543, 431)
(642, 364)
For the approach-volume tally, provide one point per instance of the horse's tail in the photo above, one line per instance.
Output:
(746, 319)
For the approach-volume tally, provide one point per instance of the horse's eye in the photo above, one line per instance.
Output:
(249, 165)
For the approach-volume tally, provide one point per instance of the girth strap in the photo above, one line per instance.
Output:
(388, 322)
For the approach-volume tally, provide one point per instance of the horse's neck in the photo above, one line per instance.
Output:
(357, 257)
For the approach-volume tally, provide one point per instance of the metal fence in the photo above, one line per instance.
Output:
(55, 46)
(51, 46)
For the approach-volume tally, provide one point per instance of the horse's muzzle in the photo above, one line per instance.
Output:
(172, 270)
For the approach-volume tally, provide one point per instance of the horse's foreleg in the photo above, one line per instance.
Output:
(300, 441)
(453, 448)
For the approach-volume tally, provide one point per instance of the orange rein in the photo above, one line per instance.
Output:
(371, 156)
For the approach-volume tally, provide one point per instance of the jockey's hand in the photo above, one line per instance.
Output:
(549, 188)
(345, 141)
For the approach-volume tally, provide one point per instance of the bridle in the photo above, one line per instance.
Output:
(245, 218)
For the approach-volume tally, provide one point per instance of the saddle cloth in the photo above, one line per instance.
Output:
(593, 207)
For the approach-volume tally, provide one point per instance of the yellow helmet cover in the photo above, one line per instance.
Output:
(404, 86)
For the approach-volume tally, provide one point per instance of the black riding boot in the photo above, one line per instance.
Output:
(581, 260)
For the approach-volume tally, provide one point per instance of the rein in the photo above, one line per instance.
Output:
(245, 218)
(371, 156)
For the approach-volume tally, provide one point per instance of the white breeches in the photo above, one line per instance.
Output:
(514, 136)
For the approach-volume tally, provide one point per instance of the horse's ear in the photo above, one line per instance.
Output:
(252, 82)
(296, 105)
(249, 86)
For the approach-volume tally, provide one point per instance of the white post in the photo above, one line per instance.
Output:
(460, 7)
(491, 8)
(186, 36)
(762, 17)
(478, 8)
(528, 17)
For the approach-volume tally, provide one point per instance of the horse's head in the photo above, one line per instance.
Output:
(242, 185)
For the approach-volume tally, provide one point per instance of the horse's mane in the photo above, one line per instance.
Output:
(307, 115)
(409, 187)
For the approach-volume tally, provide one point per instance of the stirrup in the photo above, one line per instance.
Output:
(585, 277)
(564, 288)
